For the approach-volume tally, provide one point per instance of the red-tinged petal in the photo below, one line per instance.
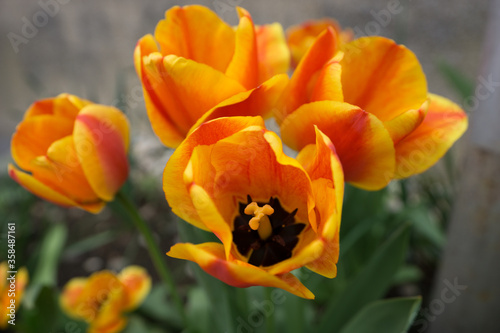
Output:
(252, 162)
(444, 123)
(382, 77)
(301, 37)
(406, 123)
(45, 192)
(211, 258)
(298, 91)
(256, 102)
(195, 32)
(137, 284)
(61, 170)
(244, 66)
(328, 86)
(176, 191)
(101, 136)
(35, 135)
(70, 297)
(273, 53)
(64, 105)
(363, 145)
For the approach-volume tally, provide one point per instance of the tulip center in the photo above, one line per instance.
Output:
(265, 232)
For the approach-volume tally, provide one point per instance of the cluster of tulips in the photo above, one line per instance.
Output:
(355, 110)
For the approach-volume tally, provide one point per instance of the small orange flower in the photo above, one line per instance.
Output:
(12, 287)
(272, 213)
(202, 62)
(76, 152)
(370, 98)
(301, 37)
(103, 298)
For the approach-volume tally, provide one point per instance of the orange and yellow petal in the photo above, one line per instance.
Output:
(327, 86)
(273, 54)
(244, 66)
(252, 162)
(63, 105)
(259, 101)
(301, 37)
(382, 77)
(406, 123)
(35, 135)
(101, 141)
(176, 191)
(197, 33)
(444, 124)
(184, 90)
(361, 141)
(61, 170)
(211, 258)
(298, 91)
(137, 284)
(70, 297)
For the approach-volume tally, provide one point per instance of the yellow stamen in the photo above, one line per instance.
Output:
(260, 221)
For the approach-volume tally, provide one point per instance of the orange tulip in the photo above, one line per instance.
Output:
(272, 213)
(102, 299)
(370, 98)
(301, 37)
(12, 287)
(75, 151)
(202, 62)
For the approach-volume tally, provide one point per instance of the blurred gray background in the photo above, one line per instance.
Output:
(86, 47)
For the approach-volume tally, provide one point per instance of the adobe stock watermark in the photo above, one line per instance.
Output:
(223, 7)
(448, 295)
(30, 25)
(485, 88)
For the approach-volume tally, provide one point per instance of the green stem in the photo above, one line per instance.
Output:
(156, 255)
(270, 319)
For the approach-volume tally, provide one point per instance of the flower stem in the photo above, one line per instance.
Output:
(156, 255)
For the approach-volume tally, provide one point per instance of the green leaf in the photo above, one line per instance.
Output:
(457, 79)
(196, 310)
(425, 224)
(42, 316)
(48, 260)
(157, 307)
(389, 316)
(371, 283)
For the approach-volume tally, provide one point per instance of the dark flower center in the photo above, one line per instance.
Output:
(277, 244)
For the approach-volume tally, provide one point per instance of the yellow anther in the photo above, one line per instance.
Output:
(260, 221)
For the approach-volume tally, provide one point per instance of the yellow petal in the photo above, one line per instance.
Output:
(197, 33)
(211, 258)
(382, 77)
(361, 141)
(101, 137)
(444, 123)
(406, 123)
(137, 283)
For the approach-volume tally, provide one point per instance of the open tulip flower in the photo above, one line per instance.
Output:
(196, 62)
(301, 37)
(75, 152)
(102, 299)
(11, 292)
(272, 213)
(370, 98)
